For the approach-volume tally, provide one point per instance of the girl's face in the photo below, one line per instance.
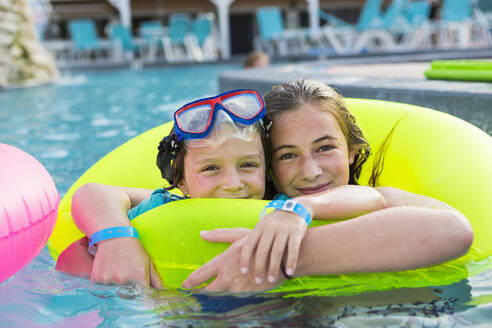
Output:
(234, 169)
(309, 150)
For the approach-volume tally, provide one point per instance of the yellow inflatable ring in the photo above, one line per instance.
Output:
(431, 153)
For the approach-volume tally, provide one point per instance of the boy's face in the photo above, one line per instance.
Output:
(233, 169)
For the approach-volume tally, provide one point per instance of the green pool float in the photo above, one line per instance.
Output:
(431, 153)
(460, 70)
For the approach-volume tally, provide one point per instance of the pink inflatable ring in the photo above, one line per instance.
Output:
(28, 209)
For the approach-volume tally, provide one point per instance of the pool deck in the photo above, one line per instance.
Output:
(399, 79)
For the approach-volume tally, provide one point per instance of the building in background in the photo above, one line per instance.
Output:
(242, 21)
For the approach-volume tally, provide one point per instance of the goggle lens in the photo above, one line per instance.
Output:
(195, 120)
(245, 105)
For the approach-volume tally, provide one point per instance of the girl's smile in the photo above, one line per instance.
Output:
(310, 161)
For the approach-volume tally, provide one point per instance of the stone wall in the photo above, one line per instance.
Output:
(23, 60)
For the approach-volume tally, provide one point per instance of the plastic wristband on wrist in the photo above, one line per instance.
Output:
(110, 233)
(289, 205)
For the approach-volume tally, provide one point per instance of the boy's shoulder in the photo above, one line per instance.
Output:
(167, 197)
(157, 198)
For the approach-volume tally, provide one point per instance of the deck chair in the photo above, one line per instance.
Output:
(332, 20)
(124, 45)
(365, 35)
(419, 28)
(370, 15)
(409, 24)
(175, 47)
(394, 16)
(418, 12)
(85, 41)
(274, 39)
(455, 27)
(202, 41)
(381, 33)
(483, 18)
(151, 32)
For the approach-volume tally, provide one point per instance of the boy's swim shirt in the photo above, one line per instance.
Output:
(157, 198)
(160, 197)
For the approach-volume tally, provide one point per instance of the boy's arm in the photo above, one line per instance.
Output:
(76, 260)
(96, 207)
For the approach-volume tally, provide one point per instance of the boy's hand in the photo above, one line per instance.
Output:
(122, 260)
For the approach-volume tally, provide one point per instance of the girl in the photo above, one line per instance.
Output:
(216, 149)
(317, 155)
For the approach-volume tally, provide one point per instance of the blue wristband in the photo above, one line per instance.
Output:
(110, 233)
(289, 205)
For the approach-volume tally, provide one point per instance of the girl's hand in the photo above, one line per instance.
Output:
(122, 260)
(225, 267)
(276, 235)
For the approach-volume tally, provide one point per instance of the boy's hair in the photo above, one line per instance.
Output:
(292, 95)
(170, 159)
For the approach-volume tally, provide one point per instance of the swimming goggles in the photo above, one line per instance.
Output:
(195, 120)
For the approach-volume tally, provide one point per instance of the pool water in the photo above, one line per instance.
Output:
(72, 123)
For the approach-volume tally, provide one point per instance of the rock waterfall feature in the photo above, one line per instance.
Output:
(23, 60)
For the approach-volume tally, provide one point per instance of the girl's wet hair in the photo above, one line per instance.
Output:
(295, 94)
(170, 159)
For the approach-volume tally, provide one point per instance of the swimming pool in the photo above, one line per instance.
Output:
(70, 124)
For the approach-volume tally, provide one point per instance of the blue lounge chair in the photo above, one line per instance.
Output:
(366, 35)
(408, 24)
(179, 25)
(202, 27)
(151, 33)
(456, 10)
(123, 40)
(456, 28)
(175, 47)
(418, 12)
(203, 40)
(485, 6)
(274, 39)
(370, 15)
(85, 40)
(483, 18)
(417, 33)
(332, 20)
(394, 16)
(83, 34)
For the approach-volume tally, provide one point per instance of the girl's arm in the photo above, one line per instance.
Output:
(120, 260)
(282, 232)
(343, 202)
(413, 231)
